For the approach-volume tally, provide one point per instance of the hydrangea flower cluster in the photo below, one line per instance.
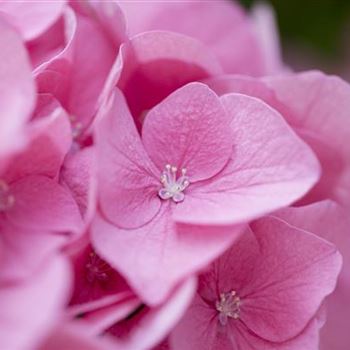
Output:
(167, 183)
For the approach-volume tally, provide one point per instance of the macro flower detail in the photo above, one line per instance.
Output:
(173, 187)
(235, 170)
(280, 292)
(228, 306)
(167, 182)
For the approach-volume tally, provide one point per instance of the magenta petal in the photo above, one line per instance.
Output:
(288, 284)
(42, 204)
(17, 92)
(155, 257)
(270, 167)
(21, 325)
(128, 181)
(189, 129)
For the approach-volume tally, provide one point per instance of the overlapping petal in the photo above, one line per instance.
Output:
(270, 167)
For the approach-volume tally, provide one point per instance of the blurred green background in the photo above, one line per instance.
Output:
(314, 33)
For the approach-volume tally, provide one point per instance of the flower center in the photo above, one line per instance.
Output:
(6, 198)
(172, 187)
(77, 127)
(228, 306)
(97, 269)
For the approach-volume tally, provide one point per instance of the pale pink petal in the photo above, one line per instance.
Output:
(95, 52)
(42, 204)
(52, 56)
(79, 174)
(266, 30)
(154, 64)
(100, 320)
(189, 129)
(50, 139)
(33, 18)
(128, 181)
(289, 282)
(319, 107)
(220, 25)
(155, 257)
(22, 326)
(17, 91)
(270, 167)
(107, 14)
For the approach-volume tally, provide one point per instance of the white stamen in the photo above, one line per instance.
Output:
(228, 306)
(7, 200)
(173, 188)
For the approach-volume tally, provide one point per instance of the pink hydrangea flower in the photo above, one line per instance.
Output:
(201, 161)
(263, 293)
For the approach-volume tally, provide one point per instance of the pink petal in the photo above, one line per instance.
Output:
(50, 139)
(88, 75)
(197, 329)
(221, 26)
(32, 19)
(42, 204)
(156, 63)
(189, 129)
(270, 168)
(329, 221)
(154, 327)
(288, 284)
(54, 51)
(155, 257)
(307, 339)
(25, 251)
(318, 107)
(73, 336)
(17, 91)
(128, 181)
(79, 174)
(21, 325)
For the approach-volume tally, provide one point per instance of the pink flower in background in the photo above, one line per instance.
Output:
(263, 293)
(201, 160)
(229, 33)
